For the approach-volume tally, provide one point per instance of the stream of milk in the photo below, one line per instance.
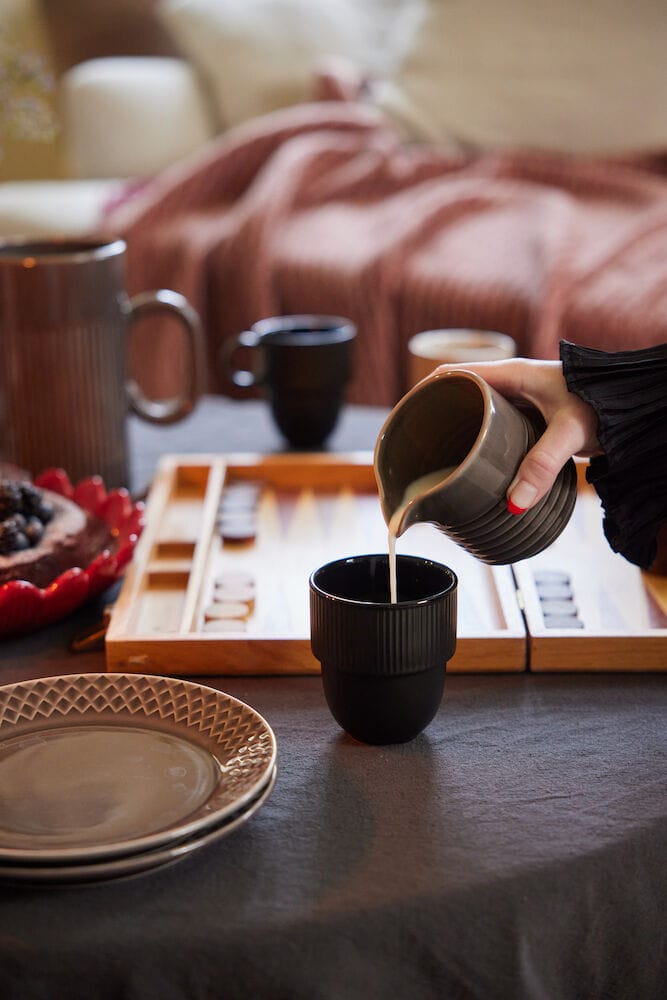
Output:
(412, 490)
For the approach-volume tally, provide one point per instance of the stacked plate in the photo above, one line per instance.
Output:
(108, 775)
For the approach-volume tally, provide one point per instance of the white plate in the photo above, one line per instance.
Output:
(97, 766)
(133, 864)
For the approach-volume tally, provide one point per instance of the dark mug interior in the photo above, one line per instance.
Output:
(365, 580)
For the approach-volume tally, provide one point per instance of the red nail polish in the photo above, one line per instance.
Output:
(513, 509)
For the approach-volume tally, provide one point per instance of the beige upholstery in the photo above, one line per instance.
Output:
(571, 76)
(259, 55)
(132, 116)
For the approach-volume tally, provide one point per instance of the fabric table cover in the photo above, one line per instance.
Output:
(515, 849)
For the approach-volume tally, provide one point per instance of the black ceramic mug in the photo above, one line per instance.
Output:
(383, 663)
(303, 364)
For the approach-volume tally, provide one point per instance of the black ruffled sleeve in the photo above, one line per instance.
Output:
(628, 391)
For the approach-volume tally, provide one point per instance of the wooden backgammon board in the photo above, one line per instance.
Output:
(219, 580)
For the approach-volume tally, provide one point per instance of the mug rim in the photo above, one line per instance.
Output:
(58, 249)
(446, 335)
(323, 323)
(446, 591)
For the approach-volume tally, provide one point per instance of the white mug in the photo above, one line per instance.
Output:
(431, 348)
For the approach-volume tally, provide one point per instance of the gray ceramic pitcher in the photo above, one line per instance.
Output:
(467, 440)
(65, 318)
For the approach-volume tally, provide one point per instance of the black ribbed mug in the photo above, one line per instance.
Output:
(383, 663)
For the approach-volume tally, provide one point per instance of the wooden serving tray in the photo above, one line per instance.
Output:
(311, 509)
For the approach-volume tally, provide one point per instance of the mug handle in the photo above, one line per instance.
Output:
(169, 410)
(240, 377)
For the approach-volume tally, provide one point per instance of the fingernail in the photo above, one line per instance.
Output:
(521, 495)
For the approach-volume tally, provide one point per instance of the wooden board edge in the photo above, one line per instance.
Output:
(288, 469)
(642, 653)
(268, 656)
(188, 655)
(491, 654)
(137, 568)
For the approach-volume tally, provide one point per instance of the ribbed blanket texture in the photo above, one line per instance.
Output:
(322, 208)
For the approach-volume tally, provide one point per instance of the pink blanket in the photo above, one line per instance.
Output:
(321, 208)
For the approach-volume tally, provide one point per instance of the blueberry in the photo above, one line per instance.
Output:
(23, 514)
(11, 500)
(34, 529)
(45, 511)
(31, 499)
(12, 538)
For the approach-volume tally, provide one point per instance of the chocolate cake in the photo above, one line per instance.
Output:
(42, 534)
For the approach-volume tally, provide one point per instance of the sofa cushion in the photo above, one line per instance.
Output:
(132, 116)
(260, 55)
(559, 76)
(567, 76)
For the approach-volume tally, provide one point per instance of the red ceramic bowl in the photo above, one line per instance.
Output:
(25, 607)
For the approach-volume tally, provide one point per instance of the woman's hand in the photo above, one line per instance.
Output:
(571, 423)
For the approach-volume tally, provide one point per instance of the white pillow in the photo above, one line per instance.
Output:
(128, 116)
(260, 55)
(572, 75)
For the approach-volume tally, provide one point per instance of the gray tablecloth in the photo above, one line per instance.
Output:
(515, 849)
